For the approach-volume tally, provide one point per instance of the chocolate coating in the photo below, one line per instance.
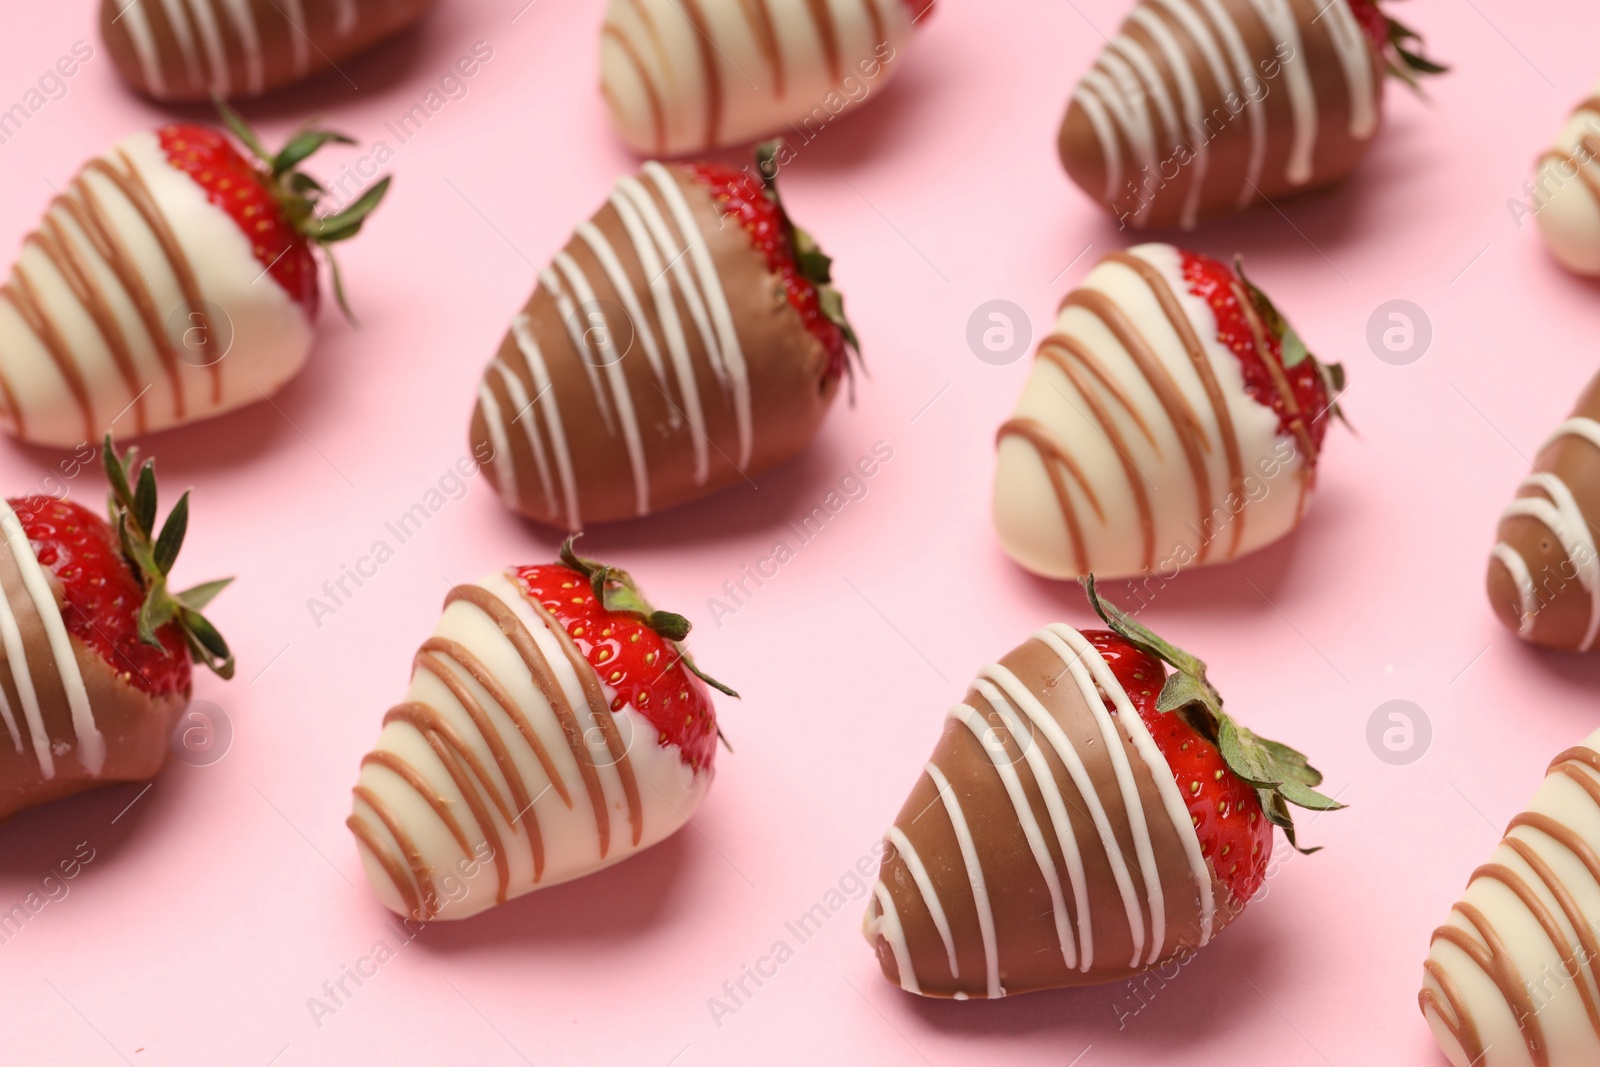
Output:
(1186, 116)
(616, 392)
(1543, 579)
(241, 49)
(1059, 853)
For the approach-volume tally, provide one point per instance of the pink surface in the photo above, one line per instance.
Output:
(226, 895)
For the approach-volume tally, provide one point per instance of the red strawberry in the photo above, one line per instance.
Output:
(1228, 776)
(105, 716)
(1234, 837)
(137, 302)
(633, 648)
(1279, 371)
(790, 252)
(1394, 41)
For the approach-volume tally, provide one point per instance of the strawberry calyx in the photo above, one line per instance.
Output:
(1293, 350)
(298, 194)
(1399, 44)
(616, 591)
(150, 556)
(1280, 775)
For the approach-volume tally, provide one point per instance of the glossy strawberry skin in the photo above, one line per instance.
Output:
(642, 668)
(1235, 838)
(740, 196)
(1373, 22)
(1215, 283)
(238, 187)
(102, 593)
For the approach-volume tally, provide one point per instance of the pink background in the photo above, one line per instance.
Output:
(226, 895)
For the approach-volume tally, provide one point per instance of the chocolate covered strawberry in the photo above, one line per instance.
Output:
(1086, 815)
(172, 280)
(687, 338)
(683, 78)
(94, 646)
(1168, 369)
(188, 50)
(1201, 109)
(555, 725)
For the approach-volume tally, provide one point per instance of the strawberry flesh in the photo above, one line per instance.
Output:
(744, 198)
(102, 593)
(919, 8)
(1373, 22)
(1215, 283)
(642, 668)
(238, 187)
(1235, 838)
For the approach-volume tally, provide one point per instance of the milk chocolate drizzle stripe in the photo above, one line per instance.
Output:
(709, 69)
(520, 806)
(512, 627)
(1196, 349)
(96, 225)
(91, 743)
(828, 34)
(1182, 416)
(601, 714)
(1451, 1011)
(1584, 171)
(53, 240)
(763, 30)
(1055, 457)
(441, 807)
(480, 673)
(1489, 953)
(658, 119)
(398, 875)
(1067, 353)
(69, 256)
(421, 873)
(466, 770)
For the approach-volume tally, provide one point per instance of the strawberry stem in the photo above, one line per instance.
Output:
(151, 556)
(299, 194)
(616, 591)
(1280, 775)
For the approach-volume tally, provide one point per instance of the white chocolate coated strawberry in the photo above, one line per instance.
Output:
(688, 75)
(506, 769)
(1135, 447)
(138, 302)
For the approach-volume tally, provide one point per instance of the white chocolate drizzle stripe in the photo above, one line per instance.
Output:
(522, 330)
(889, 926)
(1172, 800)
(716, 299)
(530, 427)
(1067, 753)
(1279, 21)
(91, 744)
(1061, 820)
(975, 878)
(1527, 596)
(930, 895)
(1031, 831)
(495, 421)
